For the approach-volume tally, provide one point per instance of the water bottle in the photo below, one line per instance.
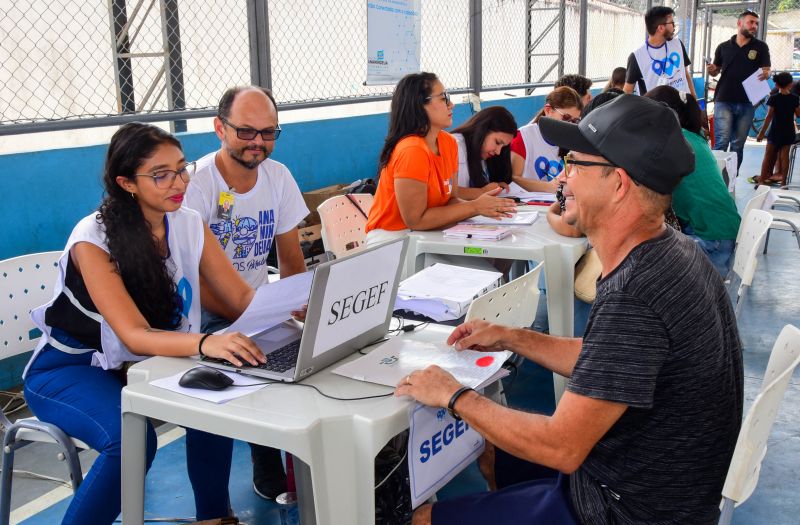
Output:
(287, 508)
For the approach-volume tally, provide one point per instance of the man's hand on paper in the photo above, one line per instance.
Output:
(234, 347)
(764, 73)
(300, 315)
(432, 386)
(478, 335)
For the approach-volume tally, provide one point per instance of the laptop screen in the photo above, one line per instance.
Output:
(358, 295)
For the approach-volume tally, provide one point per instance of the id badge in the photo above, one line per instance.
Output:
(662, 81)
(225, 205)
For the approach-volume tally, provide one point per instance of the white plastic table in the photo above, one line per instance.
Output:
(536, 242)
(336, 441)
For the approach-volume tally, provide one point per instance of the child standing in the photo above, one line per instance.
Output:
(783, 108)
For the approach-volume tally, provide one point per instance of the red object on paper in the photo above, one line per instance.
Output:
(484, 361)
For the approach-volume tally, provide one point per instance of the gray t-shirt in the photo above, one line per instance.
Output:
(662, 339)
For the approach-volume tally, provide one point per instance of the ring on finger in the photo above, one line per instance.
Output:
(408, 380)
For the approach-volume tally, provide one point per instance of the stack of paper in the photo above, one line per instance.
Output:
(515, 190)
(395, 359)
(484, 232)
(518, 219)
(443, 291)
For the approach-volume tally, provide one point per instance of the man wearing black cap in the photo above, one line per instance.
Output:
(646, 428)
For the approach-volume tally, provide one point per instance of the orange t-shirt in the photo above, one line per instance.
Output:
(412, 159)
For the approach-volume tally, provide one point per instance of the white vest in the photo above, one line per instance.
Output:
(185, 248)
(541, 157)
(662, 65)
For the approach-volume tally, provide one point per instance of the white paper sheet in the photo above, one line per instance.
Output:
(273, 304)
(515, 190)
(215, 396)
(393, 360)
(756, 89)
(445, 281)
(521, 218)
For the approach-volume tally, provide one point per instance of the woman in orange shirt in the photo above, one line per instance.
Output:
(419, 166)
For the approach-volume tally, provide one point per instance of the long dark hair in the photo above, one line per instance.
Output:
(407, 114)
(684, 105)
(129, 237)
(495, 118)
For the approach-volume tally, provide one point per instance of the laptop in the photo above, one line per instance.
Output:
(350, 306)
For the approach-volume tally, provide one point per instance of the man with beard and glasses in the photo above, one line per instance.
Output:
(737, 59)
(250, 202)
(662, 60)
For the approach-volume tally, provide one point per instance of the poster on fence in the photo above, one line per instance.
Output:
(393, 40)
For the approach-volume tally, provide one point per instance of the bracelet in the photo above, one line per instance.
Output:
(200, 345)
(458, 393)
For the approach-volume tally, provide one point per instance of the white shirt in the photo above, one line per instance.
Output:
(185, 241)
(541, 157)
(272, 207)
(463, 167)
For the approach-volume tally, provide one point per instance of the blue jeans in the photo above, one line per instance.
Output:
(720, 253)
(732, 121)
(84, 401)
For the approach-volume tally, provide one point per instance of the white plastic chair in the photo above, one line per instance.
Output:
(343, 220)
(751, 446)
(27, 282)
(513, 304)
(756, 202)
(751, 235)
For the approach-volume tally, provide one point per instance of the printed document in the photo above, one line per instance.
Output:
(756, 89)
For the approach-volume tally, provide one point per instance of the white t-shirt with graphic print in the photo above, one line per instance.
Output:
(272, 207)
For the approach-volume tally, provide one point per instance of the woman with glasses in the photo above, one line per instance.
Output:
(128, 288)
(417, 187)
(535, 163)
(484, 155)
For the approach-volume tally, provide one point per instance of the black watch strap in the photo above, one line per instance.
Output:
(458, 393)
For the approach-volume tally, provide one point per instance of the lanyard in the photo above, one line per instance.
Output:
(658, 65)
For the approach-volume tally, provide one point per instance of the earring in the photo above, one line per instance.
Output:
(133, 196)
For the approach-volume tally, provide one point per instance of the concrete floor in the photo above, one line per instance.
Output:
(773, 302)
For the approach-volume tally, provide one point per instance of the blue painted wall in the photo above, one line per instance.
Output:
(45, 193)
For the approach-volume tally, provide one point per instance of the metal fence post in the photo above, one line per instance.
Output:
(475, 46)
(562, 15)
(120, 44)
(762, 22)
(176, 94)
(258, 25)
(583, 35)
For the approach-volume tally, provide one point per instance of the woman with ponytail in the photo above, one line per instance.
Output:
(128, 288)
(417, 185)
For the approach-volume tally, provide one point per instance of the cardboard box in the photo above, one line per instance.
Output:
(316, 197)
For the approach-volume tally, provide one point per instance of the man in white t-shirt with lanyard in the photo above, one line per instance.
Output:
(662, 60)
(251, 203)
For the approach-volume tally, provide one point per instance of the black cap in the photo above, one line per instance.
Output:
(638, 134)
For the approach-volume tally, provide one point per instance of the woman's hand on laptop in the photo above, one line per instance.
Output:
(233, 347)
(432, 386)
(478, 335)
(300, 315)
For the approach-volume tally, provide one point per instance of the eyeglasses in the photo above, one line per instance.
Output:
(164, 179)
(444, 95)
(674, 25)
(569, 161)
(267, 134)
(566, 117)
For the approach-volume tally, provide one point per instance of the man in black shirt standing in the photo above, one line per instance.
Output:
(737, 59)
(646, 428)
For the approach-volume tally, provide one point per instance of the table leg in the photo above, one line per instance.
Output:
(305, 492)
(342, 473)
(134, 443)
(560, 277)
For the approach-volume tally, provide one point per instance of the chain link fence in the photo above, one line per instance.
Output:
(79, 60)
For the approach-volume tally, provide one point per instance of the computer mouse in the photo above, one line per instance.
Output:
(206, 378)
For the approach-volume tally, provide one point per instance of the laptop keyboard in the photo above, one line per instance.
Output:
(281, 360)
